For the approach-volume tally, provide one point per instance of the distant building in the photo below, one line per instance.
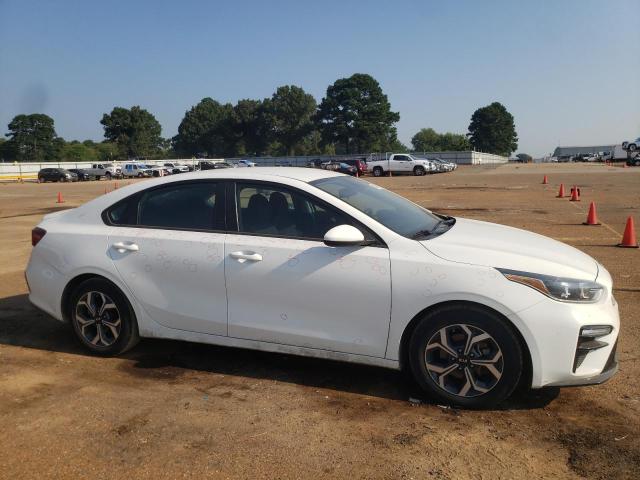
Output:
(566, 152)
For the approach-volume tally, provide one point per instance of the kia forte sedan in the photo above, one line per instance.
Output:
(316, 263)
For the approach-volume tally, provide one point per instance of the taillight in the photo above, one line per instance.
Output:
(37, 234)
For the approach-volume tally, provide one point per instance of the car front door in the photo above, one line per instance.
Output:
(400, 163)
(285, 286)
(167, 244)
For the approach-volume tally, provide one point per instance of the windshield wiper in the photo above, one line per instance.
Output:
(421, 234)
(444, 222)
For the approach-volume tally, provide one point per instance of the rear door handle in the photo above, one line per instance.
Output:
(244, 256)
(122, 247)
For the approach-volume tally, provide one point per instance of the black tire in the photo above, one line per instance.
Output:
(481, 320)
(419, 171)
(107, 176)
(636, 162)
(127, 327)
(377, 171)
(631, 147)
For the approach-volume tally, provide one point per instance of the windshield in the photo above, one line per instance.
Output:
(391, 210)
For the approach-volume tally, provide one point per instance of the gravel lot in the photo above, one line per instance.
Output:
(174, 409)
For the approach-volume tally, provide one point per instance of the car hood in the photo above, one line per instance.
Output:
(493, 245)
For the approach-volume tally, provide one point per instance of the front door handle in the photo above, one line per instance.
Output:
(122, 247)
(244, 256)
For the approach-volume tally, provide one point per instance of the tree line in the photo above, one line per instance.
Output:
(355, 116)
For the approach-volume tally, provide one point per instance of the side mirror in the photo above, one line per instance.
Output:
(343, 236)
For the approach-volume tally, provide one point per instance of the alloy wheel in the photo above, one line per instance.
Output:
(464, 360)
(98, 319)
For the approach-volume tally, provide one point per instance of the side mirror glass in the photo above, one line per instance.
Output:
(343, 236)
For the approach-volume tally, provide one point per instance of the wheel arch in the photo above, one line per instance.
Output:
(65, 307)
(527, 374)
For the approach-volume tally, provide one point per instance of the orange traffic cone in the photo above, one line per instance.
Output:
(629, 236)
(561, 192)
(575, 195)
(592, 217)
(545, 180)
(60, 200)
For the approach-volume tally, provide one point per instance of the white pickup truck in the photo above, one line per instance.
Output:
(400, 163)
(107, 170)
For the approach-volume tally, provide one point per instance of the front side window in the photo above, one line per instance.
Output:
(391, 210)
(270, 210)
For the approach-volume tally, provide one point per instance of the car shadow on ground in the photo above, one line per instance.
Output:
(23, 325)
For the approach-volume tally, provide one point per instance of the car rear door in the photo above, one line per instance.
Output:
(285, 286)
(167, 244)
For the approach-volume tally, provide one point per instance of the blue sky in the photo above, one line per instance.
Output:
(568, 70)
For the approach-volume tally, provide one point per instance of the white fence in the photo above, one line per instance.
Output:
(466, 157)
(29, 171)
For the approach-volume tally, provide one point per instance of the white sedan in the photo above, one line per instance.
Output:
(311, 262)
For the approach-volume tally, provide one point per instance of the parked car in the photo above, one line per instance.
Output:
(471, 309)
(176, 167)
(158, 170)
(358, 163)
(400, 163)
(82, 174)
(341, 167)
(631, 146)
(138, 170)
(214, 165)
(106, 170)
(315, 163)
(56, 175)
(443, 165)
(246, 163)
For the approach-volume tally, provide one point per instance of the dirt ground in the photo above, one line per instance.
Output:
(180, 410)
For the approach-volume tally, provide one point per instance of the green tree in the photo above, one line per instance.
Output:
(290, 113)
(107, 151)
(356, 115)
(207, 128)
(428, 140)
(492, 129)
(31, 138)
(454, 142)
(75, 151)
(251, 127)
(134, 130)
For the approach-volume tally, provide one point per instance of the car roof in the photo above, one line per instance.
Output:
(302, 174)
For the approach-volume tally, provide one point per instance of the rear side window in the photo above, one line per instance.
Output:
(186, 206)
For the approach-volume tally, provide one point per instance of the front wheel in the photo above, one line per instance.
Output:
(377, 171)
(466, 356)
(418, 171)
(631, 147)
(102, 318)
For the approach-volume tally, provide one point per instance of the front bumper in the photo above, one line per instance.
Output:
(552, 331)
(610, 369)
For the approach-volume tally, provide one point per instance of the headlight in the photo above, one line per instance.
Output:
(562, 289)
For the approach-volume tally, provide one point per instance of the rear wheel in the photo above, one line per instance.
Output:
(377, 171)
(102, 318)
(465, 355)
